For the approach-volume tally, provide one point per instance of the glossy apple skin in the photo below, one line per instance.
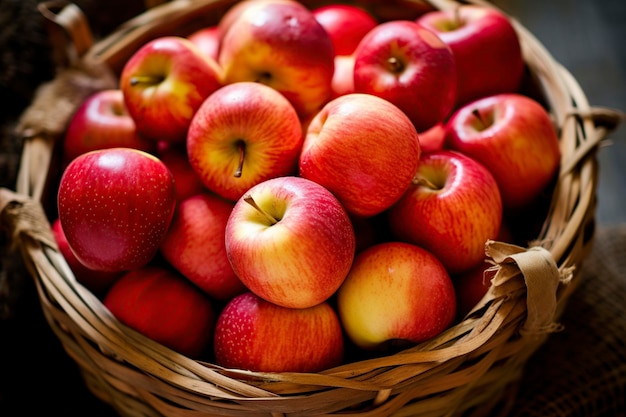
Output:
(174, 156)
(395, 293)
(163, 306)
(164, 82)
(115, 206)
(102, 121)
(97, 282)
(254, 334)
(346, 24)
(343, 78)
(486, 49)
(453, 217)
(194, 245)
(249, 114)
(434, 138)
(362, 148)
(409, 66)
(207, 40)
(280, 44)
(516, 141)
(302, 259)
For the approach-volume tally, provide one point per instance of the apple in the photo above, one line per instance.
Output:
(434, 138)
(243, 134)
(164, 82)
(486, 49)
(174, 156)
(363, 149)
(343, 77)
(207, 40)
(162, 305)
(115, 206)
(290, 241)
(194, 245)
(514, 137)
(102, 121)
(452, 208)
(346, 25)
(409, 66)
(256, 335)
(97, 282)
(234, 11)
(396, 294)
(280, 44)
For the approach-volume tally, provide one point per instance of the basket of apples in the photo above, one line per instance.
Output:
(281, 208)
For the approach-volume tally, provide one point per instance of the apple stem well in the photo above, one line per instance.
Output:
(482, 123)
(248, 199)
(146, 79)
(395, 65)
(241, 147)
(422, 181)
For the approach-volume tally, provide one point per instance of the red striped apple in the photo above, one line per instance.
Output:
(346, 25)
(290, 241)
(194, 245)
(115, 206)
(280, 44)
(164, 82)
(409, 66)
(362, 148)
(486, 49)
(452, 208)
(165, 307)
(514, 137)
(256, 335)
(243, 134)
(102, 121)
(395, 294)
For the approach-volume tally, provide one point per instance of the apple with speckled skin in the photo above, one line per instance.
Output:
(290, 241)
(451, 209)
(243, 134)
(282, 45)
(396, 294)
(164, 82)
(162, 305)
(485, 46)
(194, 245)
(102, 121)
(115, 206)
(256, 335)
(514, 137)
(362, 148)
(408, 65)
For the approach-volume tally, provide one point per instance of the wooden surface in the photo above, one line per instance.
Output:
(587, 37)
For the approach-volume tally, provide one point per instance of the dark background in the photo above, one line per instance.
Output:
(37, 378)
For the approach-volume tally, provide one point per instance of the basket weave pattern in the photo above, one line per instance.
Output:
(471, 368)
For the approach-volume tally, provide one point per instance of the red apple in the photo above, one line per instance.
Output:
(243, 134)
(194, 245)
(115, 206)
(102, 121)
(163, 306)
(486, 49)
(452, 208)
(280, 44)
(513, 136)
(164, 83)
(343, 77)
(346, 24)
(174, 156)
(253, 334)
(207, 40)
(362, 148)
(409, 66)
(395, 294)
(290, 242)
(97, 282)
(434, 138)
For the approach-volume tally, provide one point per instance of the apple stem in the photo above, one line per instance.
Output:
(248, 199)
(145, 79)
(424, 182)
(395, 65)
(241, 147)
(476, 113)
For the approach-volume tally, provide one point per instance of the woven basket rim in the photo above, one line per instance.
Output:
(471, 363)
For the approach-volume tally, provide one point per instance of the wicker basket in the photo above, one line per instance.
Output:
(470, 369)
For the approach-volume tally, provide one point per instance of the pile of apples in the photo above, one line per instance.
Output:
(295, 183)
